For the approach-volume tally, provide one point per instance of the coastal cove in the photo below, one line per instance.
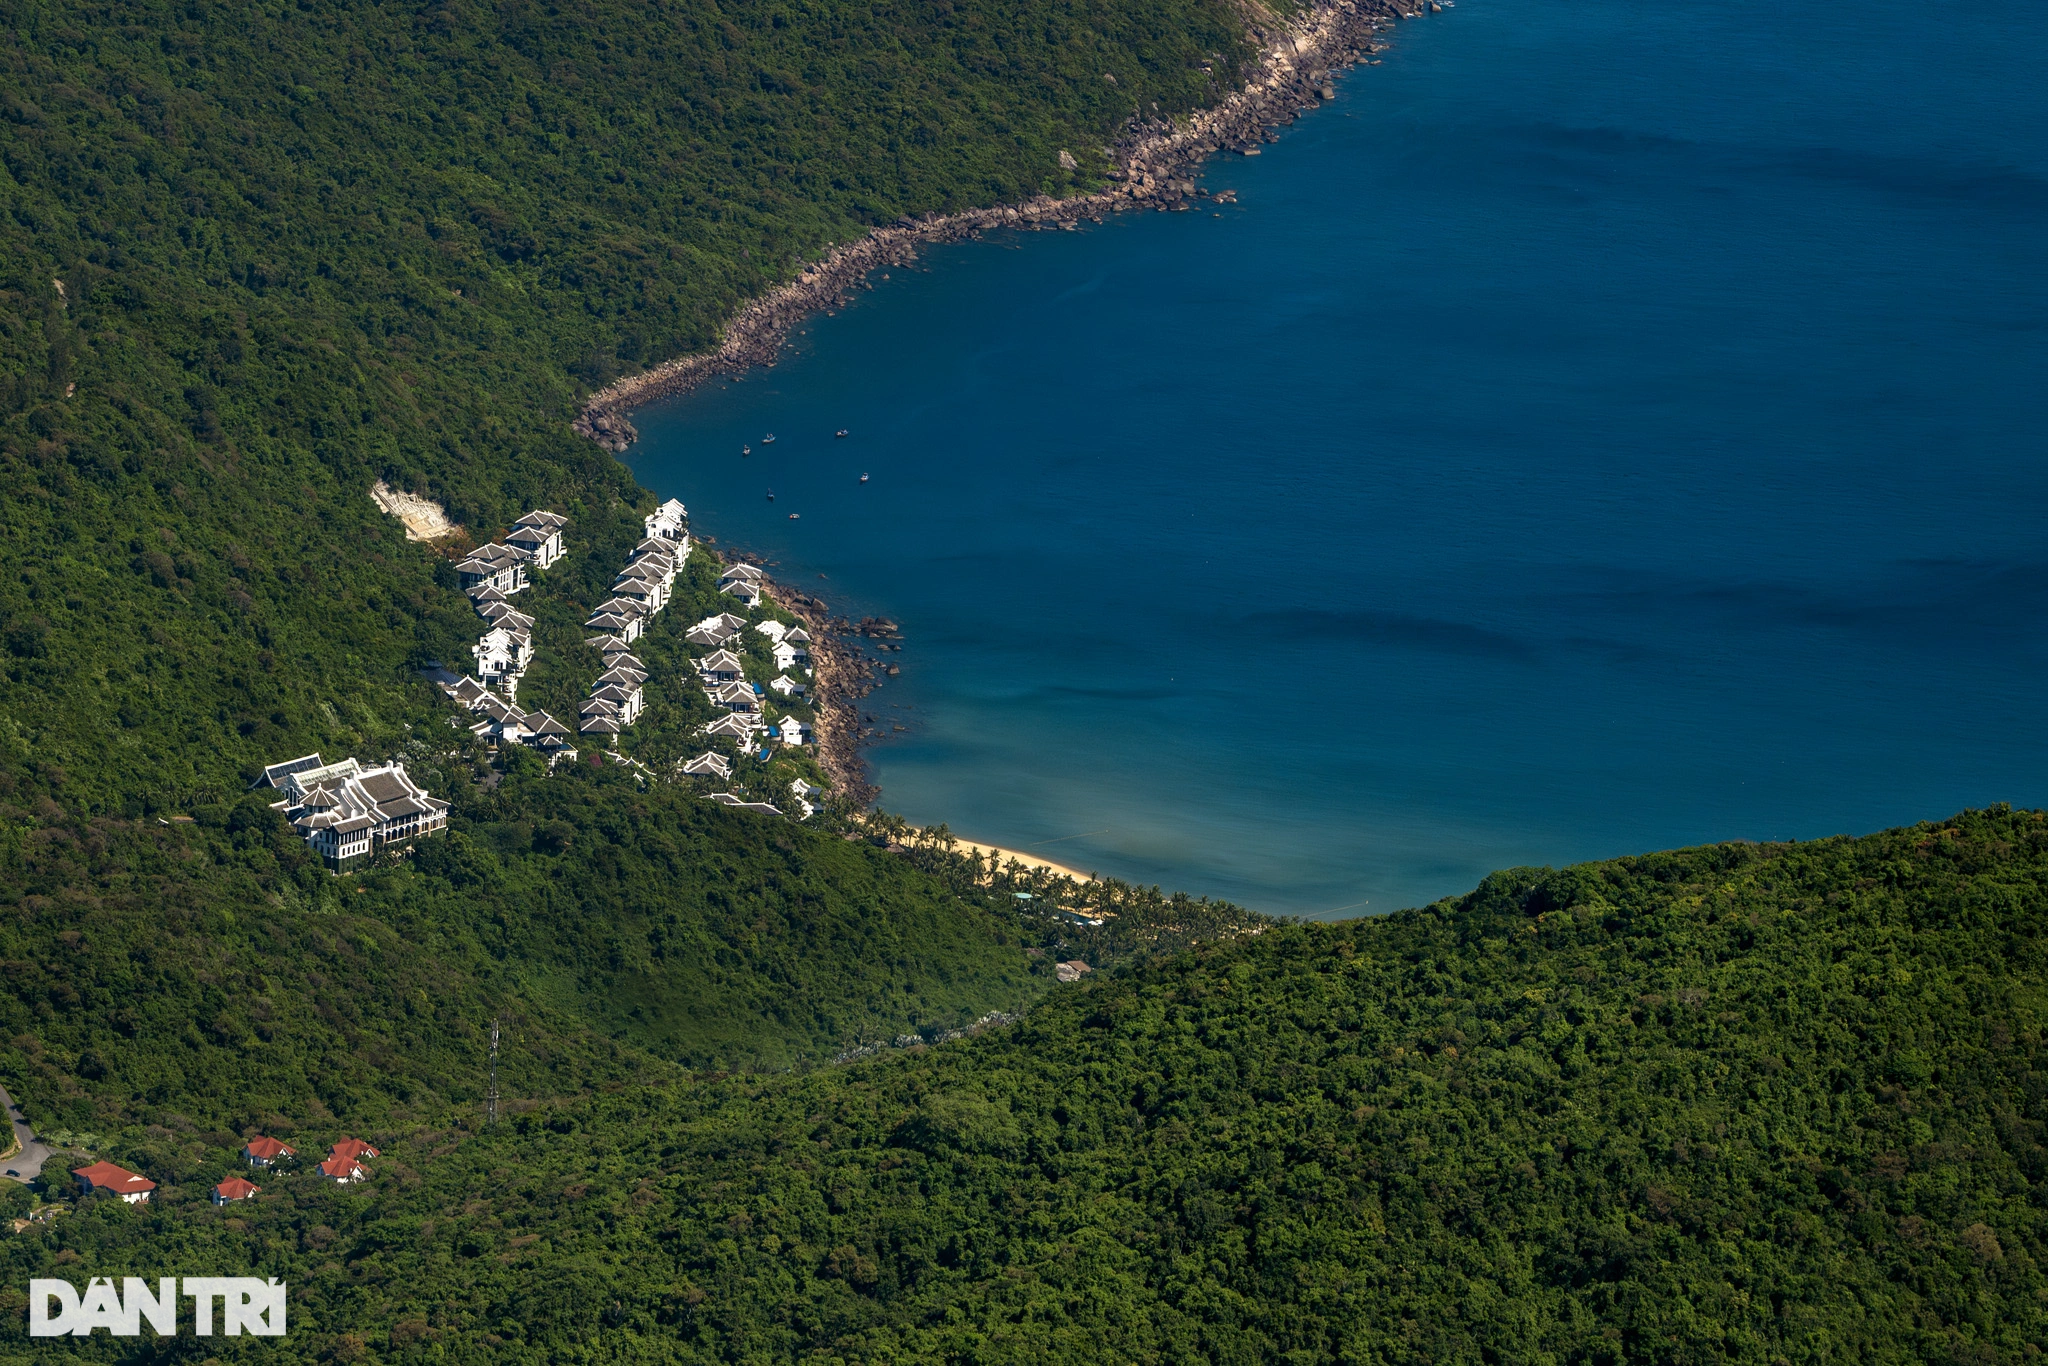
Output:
(1595, 430)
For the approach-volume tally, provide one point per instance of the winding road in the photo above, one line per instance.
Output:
(27, 1164)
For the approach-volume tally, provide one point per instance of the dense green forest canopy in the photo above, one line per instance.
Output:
(219, 975)
(1742, 1103)
(253, 257)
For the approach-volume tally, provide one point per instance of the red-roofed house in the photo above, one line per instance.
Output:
(343, 1171)
(234, 1188)
(353, 1148)
(263, 1152)
(105, 1176)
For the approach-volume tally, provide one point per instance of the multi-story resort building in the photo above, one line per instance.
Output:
(539, 536)
(668, 521)
(346, 812)
(493, 566)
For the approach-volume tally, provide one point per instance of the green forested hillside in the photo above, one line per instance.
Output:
(1741, 1103)
(254, 258)
(216, 976)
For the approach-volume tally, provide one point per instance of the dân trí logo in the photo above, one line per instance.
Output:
(247, 1305)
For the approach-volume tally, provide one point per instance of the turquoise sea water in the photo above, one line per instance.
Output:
(1605, 427)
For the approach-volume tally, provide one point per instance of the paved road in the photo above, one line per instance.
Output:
(27, 1164)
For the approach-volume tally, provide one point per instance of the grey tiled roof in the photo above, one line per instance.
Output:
(275, 773)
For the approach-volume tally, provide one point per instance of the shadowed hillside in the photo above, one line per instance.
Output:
(1738, 1103)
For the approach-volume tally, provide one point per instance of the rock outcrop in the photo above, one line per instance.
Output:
(607, 426)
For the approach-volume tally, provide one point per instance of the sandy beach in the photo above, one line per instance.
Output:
(1028, 860)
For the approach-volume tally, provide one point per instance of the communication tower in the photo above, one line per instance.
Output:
(491, 1101)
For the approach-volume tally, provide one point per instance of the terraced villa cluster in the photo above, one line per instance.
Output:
(490, 576)
(639, 593)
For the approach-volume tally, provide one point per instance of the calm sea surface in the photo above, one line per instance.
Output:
(1605, 427)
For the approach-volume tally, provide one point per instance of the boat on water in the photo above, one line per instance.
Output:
(840, 432)
(768, 440)
(794, 516)
(746, 450)
(863, 479)
(771, 495)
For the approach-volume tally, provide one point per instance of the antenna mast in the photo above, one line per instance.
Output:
(491, 1101)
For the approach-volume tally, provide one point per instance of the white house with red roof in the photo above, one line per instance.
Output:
(234, 1188)
(343, 1171)
(265, 1152)
(105, 1176)
(353, 1148)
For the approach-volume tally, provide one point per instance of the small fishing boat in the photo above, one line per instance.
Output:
(746, 450)
(768, 440)
(794, 516)
(771, 495)
(863, 479)
(840, 432)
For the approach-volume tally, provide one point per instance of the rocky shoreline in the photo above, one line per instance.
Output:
(1151, 163)
(840, 679)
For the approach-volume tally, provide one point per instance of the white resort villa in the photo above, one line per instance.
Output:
(493, 566)
(720, 666)
(743, 581)
(502, 655)
(713, 631)
(668, 521)
(734, 726)
(538, 535)
(709, 764)
(735, 697)
(494, 609)
(615, 625)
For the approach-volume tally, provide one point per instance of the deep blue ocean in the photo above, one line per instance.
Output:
(1605, 427)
